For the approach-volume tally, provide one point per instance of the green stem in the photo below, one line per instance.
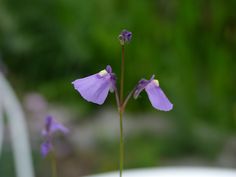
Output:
(117, 100)
(121, 110)
(121, 143)
(53, 164)
(122, 75)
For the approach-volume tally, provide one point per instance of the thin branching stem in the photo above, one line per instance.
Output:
(127, 99)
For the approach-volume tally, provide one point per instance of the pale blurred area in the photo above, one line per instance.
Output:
(188, 45)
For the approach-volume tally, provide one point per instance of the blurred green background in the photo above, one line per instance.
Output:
(189, 45)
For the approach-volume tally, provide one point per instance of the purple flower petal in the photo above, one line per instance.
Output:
(51, 126)
(95, 88)
(109, 69)
(141, 86)
(157, 97)
(56, 126)
(46, 147)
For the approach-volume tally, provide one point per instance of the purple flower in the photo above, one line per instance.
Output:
(155, 94)
(95, 88)
(125, 36)
(51, 127)
(46, 147)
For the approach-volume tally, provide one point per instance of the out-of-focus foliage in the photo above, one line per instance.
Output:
(189, 45)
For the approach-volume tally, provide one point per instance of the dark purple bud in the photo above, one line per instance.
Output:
(125, 36)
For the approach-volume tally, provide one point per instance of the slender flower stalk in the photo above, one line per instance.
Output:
(124, 37)
(117, 100)
(53, 164)
(122, 109)
(121, 143)
(122, 74)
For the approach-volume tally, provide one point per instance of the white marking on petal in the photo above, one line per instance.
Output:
(103, 73)
(156, 82)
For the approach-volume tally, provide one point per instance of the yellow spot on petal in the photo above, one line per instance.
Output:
(156, 82)
(102, 73)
